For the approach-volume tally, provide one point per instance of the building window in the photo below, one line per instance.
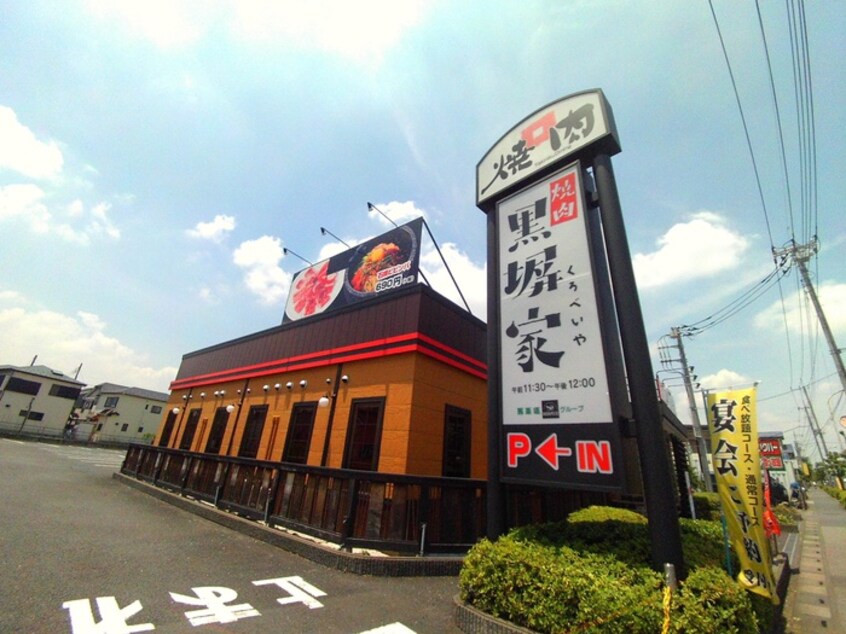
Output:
(300, 427)
(190, 429)
(364, 434)
(23, 386)
(30, 415)
(456, 442)
(168, 429)
(221, 417)
(111, 401)
(156, 409)
(140, 429)
(65, 391)
(124, 427)
(252, 431)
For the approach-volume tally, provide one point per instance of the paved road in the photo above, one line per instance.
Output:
(82, 553)
(816, 600)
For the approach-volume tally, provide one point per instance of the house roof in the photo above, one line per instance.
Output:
(122, 390)
(41, 371)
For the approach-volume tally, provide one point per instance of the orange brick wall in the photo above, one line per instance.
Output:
(437, 385)
(416, 389)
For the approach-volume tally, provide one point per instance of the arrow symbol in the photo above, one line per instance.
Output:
(550, 451)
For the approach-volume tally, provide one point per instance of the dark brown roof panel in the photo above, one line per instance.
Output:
(416, 310)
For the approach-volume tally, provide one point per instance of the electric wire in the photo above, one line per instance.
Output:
(738, 303)
(743, 120)
(778, 121)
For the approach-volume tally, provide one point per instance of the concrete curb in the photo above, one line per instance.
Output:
(431, 566)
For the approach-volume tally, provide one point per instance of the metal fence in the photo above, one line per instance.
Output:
(52, 433)
(356, 509)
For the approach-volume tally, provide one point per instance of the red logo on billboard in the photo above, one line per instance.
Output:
(537, 131)
(563, 199)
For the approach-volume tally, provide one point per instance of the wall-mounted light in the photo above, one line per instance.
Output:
(303, 383)
(184, 397)
(289, 385)
(202, 395)
(328, 381)
(265, 387)
(248, 390)
(222, 392)
(277, 386)
(230, 409)
(238, 391)
(345, 379)
(323, 401)
(175, 410)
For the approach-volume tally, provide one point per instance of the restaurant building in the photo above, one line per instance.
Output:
(394, 384)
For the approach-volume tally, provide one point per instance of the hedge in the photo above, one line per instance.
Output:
(837, 494)
(591, 574)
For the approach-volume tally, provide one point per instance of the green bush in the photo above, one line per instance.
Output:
(547, 589)
(591, 574)
(702, 544)
(706, 506)
(709, 601)
(787, 515)
(837, 494)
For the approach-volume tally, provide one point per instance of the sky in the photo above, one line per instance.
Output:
(157, 157)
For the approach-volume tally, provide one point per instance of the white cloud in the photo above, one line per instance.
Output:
(166, 23)
(260, 261)
(216, 230)
(25, 202)
(22, 152)
(62, 342)
(800, 316)
(699, 248)
(724, 379)
(470, 277)
(361, 30)
(396, 211)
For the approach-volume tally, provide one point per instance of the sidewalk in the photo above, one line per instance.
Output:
(816, 597)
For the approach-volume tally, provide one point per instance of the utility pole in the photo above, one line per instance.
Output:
(801, 254)
(815, 425)
(701, 449)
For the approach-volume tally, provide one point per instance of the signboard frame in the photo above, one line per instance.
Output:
(560, 426)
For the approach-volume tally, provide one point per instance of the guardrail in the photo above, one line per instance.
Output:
(356, 509)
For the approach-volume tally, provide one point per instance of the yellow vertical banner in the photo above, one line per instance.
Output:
(733, 423)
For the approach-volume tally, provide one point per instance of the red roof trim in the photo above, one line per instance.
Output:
(373, 349)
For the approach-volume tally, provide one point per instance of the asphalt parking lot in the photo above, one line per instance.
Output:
(83, 553)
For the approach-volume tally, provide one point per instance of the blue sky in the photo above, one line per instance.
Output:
(156, 157)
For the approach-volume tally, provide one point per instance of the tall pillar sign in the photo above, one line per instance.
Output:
(551, 404)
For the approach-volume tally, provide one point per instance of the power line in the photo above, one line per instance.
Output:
(743, 120)
(778, 121)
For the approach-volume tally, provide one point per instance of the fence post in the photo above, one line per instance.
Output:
(349, 517)
(272, 489)
(157, 468)
(425, 504)
(187, 470)
(221, 484)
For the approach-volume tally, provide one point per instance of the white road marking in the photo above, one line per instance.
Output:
(393, 628)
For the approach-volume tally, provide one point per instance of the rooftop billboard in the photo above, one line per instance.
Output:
(377, 266)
